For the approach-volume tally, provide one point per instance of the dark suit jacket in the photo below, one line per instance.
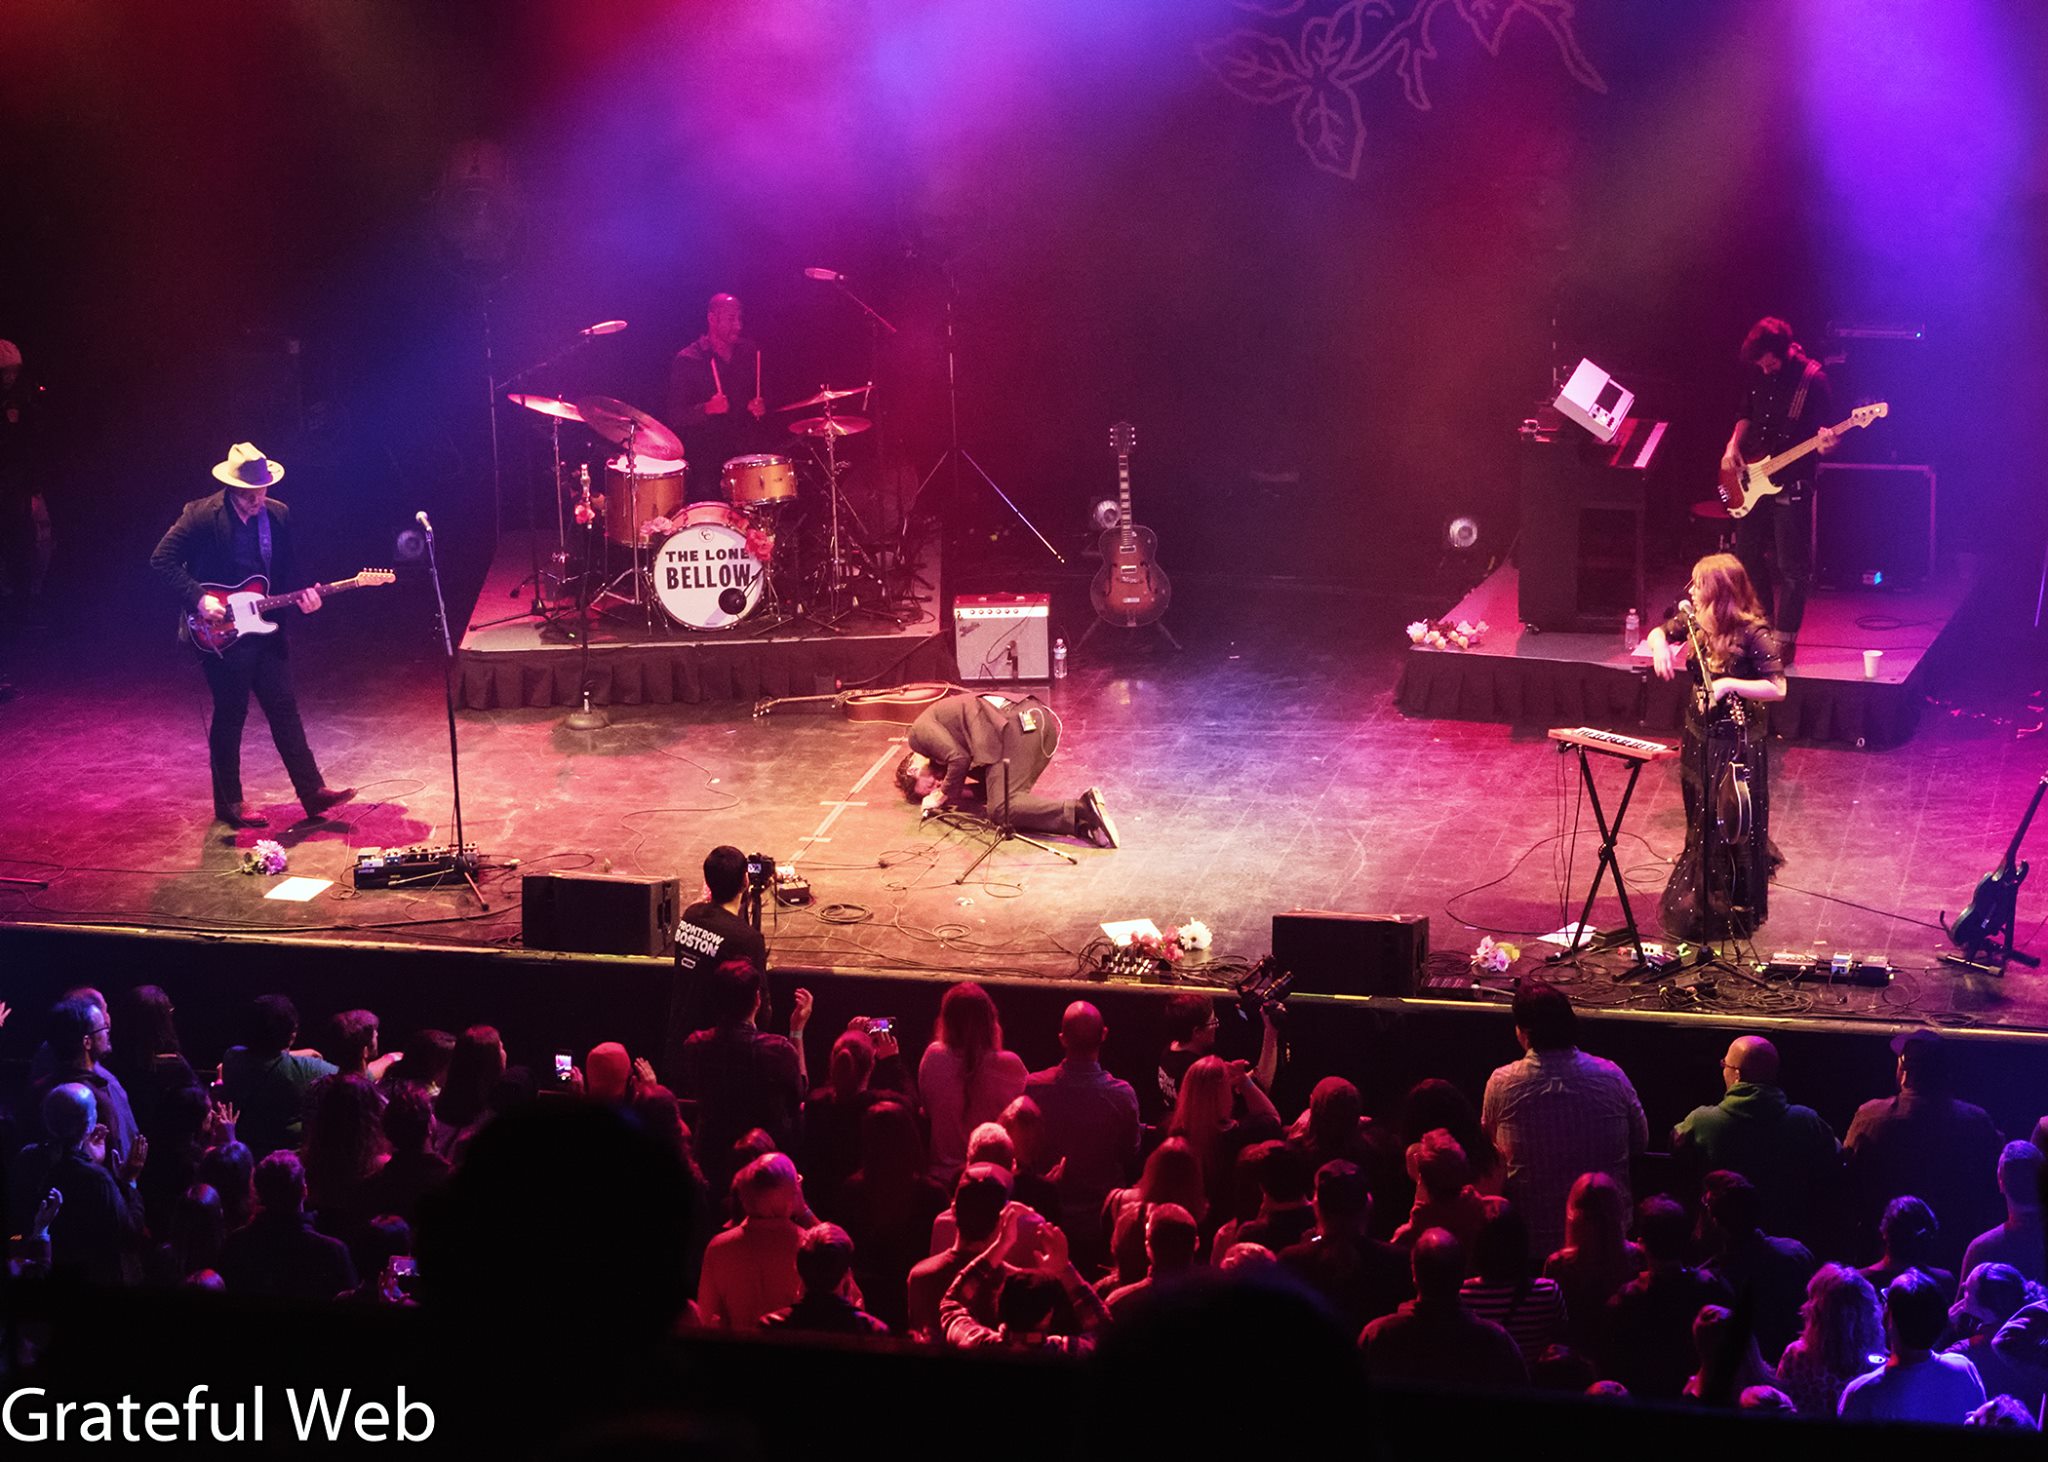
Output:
(964, 735)
(200, 546)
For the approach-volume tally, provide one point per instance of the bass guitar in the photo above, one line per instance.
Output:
(1988, 917)
(1131, 590)
(1741, 491)
(250, 600)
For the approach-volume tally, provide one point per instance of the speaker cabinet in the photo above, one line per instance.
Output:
(1002, 636)
(1351, 954)
(599, 913)
(1873, 523)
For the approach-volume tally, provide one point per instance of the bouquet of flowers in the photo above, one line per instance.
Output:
(1492, 958)
(1444, 634)
(266, 857)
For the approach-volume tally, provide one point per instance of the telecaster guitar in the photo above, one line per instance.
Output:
(1741, 491)
(1132, 589)
(250, 600)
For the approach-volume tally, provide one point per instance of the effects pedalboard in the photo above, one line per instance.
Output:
(1839, 969)
(420, 863)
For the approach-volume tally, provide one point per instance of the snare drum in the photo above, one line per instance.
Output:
(752, 482)
(661, 495)
(707, 574)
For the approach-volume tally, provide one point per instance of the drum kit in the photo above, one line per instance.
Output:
(715, 564)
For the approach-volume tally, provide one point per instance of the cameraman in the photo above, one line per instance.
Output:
(711, 933)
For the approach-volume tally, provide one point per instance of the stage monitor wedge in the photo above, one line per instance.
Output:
(1351, 954)
(599, 913)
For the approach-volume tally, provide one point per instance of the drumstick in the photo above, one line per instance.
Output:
(717, 386)
(757, 375)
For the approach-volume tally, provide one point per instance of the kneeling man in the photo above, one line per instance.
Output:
(972, 752)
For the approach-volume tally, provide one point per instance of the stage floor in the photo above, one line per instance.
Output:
(1265, 767)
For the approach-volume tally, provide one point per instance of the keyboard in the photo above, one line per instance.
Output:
(1613, 743)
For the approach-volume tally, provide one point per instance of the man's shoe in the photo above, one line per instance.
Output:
(239, 816)
(326, 799)
(1095, 819)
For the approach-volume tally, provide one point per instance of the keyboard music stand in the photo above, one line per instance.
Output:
(1628, 936)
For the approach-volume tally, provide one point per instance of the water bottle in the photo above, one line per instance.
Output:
(1059, 659)
(1631, 633)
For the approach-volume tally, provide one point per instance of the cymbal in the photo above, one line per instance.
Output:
(546, 405)
(830, 426)
(825, 393)
(616, 421)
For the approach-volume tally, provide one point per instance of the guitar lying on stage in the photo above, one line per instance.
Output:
(247, 602)
(1741, 491)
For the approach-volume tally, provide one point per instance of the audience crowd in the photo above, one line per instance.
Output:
(940, 1192)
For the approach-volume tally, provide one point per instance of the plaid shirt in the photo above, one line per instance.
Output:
(1555, 1115)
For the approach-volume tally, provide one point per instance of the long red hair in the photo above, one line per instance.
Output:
(1725, 603)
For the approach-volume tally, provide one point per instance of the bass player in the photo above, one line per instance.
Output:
(1785, 392)
(226, 538)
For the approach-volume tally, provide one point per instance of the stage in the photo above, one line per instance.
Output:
(1516, 674)
(641, 657)
(1264, 768)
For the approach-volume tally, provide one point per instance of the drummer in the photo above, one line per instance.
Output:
(714, 397)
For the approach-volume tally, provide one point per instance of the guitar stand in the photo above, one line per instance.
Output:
(1158, 624)
(1628, 936)
(1991, 959)
(1006, 832)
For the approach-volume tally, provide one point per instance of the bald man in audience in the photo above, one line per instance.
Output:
(1789, 1152)
(1091, 1123)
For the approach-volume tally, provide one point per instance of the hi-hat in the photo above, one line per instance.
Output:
(830, 426)
(825, 394)
(546, 405)
(619, 423)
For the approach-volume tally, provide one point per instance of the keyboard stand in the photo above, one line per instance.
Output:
(1628, 936)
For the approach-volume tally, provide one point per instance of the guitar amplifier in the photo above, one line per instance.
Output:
(1873, 524)
(599, 913)
(1003, 636)
(1351, 954)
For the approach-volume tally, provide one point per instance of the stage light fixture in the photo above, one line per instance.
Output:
(1462, 534)
(1106, 513)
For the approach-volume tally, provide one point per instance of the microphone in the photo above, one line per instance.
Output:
(830, 276)
(421, 518)
(604, 327)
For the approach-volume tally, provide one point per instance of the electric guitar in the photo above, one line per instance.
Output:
(1989, 913)
(248, 601)
(1741, 491)
(1131, 590)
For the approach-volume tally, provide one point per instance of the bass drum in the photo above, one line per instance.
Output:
(709, 573)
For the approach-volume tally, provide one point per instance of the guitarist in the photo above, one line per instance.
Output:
(1785, 400)
(226, 538)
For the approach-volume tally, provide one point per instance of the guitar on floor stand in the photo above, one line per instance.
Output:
(1131, 591)
(1984, 930)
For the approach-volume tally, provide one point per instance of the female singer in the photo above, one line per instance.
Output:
(1719, 886)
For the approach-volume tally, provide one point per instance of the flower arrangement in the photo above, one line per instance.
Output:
(1492, 958)
(1443, 634)
(266, 857)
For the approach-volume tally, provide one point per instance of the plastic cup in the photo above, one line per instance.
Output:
(1870, 659)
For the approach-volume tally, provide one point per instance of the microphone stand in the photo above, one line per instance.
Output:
(461, 858)
(1006, 832)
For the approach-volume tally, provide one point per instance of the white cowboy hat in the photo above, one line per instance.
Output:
(247, 467)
